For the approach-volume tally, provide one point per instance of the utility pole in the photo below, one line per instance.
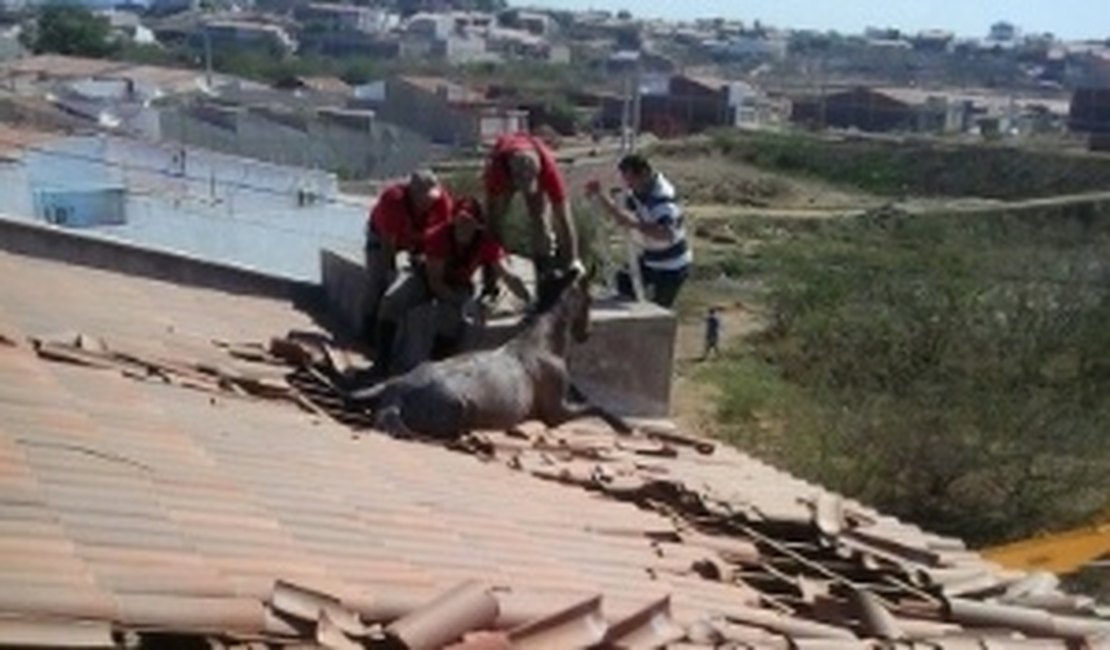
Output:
(626, 116)
(207, 57)
(637, 82)
(629, 125)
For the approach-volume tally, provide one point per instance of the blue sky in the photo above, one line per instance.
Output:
(1065, 18)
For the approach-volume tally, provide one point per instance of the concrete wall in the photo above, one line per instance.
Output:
(429, 114)
(626, 365)
(343, 280)
(81, 208)
(15, 188)
(239, 183)
(377, 150)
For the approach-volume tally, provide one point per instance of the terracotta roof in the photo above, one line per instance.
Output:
(15, 139)
(327, 84)
(156, 476)
(53, 66)
(456, 93)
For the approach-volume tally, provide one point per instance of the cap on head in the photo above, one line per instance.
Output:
(424, 184)
(470, 208)
(524, 169)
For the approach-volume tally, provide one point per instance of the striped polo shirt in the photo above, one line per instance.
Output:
(659, 205)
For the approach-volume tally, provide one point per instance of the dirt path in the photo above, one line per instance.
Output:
(693, 399)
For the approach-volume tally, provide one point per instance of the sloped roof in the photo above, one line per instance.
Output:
(59, 67)
(455, 93)
(142, 489)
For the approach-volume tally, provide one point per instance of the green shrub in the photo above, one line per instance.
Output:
(953, 371)
(914, 167)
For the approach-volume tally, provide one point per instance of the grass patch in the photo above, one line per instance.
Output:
(916, 167)
(951, 371)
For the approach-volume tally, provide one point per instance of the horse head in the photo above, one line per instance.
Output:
(578, 301)
(566, 296)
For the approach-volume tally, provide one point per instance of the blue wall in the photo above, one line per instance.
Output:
(81, 208)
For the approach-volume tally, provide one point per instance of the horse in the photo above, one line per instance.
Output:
(524, 379)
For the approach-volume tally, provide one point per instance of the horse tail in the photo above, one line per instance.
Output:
(366, 398)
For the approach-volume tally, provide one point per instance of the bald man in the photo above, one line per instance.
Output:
(520, 163)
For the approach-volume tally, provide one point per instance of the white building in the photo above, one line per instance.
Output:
(212, 206)
(341, 17)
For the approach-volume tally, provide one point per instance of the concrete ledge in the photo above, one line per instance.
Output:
(626, 365)
(97, 251)
(344, 290)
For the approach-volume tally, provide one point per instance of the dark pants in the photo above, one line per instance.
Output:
(661, 286)
(413, 325)
(379, 275)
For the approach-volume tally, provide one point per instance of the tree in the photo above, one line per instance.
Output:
(72, 30)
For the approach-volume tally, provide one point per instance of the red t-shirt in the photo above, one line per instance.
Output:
(498, 180)
(394, 221)
(461, 263)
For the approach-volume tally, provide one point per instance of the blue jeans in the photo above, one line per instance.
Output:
(661, 286)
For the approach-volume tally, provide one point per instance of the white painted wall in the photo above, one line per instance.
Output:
(208, 205)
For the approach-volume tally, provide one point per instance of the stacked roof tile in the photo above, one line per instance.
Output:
(161, 477)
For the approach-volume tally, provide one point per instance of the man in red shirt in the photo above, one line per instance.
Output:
(453, 251)
(399, 222)
(524, 164)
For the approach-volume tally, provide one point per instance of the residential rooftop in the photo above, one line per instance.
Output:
(171, 471)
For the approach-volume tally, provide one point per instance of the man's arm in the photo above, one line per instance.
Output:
(512, 281)
(565, 234)
(389, 254)
(554, 187)
(628, 220)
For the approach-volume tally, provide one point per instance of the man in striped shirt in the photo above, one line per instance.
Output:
(652, 213)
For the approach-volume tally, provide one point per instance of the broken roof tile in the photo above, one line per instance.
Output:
(468, 607)
(577, 626)
(55, 633)
(130, 500)
(875, 619)
(649, 627)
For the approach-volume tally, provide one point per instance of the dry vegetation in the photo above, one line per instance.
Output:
(964, 355)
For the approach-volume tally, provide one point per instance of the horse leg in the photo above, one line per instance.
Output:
(565, 411)
(389, 420)
(436, 412)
